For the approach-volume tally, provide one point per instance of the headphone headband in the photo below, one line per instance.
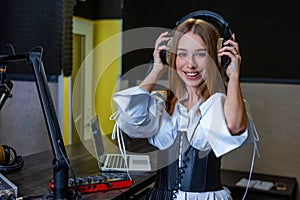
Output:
(208, 16)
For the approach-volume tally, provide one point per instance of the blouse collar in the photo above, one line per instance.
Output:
(185, 96)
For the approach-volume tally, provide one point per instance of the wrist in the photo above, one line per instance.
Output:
(158, 70)
(234, 76)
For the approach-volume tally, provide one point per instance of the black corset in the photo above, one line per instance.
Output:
(198, 173)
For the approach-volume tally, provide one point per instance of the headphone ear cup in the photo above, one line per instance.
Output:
(168, 53)
(219, 46)
(9, 153)
(165, 55)
(4, 155)
(223, 61)
(9, 166)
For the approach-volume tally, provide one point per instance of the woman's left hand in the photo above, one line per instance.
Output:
(231, 49)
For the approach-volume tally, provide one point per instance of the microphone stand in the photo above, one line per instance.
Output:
(60, 160)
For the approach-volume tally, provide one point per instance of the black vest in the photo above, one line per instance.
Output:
(199, 171)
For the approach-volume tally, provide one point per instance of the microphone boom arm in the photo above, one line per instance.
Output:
(60, 160)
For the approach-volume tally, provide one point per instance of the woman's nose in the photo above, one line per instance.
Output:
(190, 61)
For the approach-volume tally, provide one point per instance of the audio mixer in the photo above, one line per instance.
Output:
(101, 182)
(7, 188)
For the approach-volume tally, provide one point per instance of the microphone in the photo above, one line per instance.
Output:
(5, 87)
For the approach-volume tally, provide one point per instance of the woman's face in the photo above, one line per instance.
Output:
(191, 60)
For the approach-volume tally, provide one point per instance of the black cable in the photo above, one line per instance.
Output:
(30, 197)
(11, 195)
(42, 196)
(3, 196)
(12, 48)
(47, 196)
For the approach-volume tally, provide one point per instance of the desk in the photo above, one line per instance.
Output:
(230, 178)
(34, 177)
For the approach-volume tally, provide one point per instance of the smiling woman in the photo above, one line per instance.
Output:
(196, 122)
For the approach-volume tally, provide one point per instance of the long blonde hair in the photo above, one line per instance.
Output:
(210, 36)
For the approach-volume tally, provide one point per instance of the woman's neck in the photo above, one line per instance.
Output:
(194, 96)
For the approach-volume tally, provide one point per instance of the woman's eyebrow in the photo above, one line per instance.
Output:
(183, 49)
(202, 49)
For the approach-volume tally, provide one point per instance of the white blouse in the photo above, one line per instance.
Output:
(143, 115)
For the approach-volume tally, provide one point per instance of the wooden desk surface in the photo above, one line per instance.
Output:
(230, 178)
(34, 177)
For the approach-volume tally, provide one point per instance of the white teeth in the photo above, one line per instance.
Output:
(192, 74)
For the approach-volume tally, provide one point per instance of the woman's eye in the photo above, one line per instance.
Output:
(200, 54)
(182, 54)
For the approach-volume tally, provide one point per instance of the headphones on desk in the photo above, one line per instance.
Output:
(212, 18)
(9, 160)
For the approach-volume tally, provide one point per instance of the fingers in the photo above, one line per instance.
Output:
(162, 39)
(161, 44)
(230, 48)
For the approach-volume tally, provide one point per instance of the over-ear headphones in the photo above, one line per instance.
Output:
(213, 18)
(9, 160)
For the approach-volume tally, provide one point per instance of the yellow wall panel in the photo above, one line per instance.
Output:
(106, 69)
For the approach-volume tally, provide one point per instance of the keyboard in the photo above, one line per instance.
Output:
(117, 161)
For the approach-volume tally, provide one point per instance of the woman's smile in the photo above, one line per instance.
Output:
(192, 75)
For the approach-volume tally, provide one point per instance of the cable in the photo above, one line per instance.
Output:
(3, 196)
(117, 132)
(37, 47)
(11, 195)
(12, 48)
(43, 196)
(255, 150)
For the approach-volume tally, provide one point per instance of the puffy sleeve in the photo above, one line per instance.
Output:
(214, 125)
(139, 112)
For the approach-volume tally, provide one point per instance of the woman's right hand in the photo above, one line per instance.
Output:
(160, 45)
(158, 68)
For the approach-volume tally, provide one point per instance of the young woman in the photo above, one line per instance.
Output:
(194, 123)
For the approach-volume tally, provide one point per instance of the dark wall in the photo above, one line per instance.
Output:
(98, 9)
(266, 30)
(28, 24)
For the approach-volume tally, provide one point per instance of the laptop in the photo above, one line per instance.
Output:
(116, 162)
